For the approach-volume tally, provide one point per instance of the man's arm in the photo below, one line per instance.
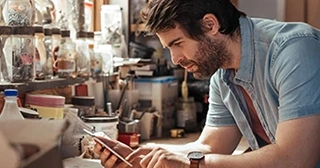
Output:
(221, 140)
(297, 145)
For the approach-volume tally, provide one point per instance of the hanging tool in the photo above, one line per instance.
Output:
(184, 86)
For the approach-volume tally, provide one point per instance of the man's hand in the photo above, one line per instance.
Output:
(158, 158)
(108, 159)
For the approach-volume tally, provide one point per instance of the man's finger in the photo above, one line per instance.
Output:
(151, 158)
(111, 161)
(137, 153)
(104, 156)
(97, 148)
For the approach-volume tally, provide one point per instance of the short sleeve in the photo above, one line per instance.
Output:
(218, 114)
(296, 75)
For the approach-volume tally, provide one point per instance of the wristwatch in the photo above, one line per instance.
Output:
(195, 157)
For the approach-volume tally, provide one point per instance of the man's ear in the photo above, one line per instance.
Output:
(210, 24)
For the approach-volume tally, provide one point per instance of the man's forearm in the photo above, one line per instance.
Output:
(269, 156)
(193, 146)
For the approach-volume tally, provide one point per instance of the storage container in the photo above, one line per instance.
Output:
(161, 93)
(47, 40)
(40, 53)
(6, 54)
(83, 57)
(18, 12)
(84, 104)
(21, 60)
(48, 106)
(65, 63)
(105, 124)
(130, 139)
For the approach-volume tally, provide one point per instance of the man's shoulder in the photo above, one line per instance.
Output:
(281, 32)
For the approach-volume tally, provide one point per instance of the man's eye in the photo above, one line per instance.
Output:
(177, 44)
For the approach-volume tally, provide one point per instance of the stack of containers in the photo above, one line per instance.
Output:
(48, 106)
(161, 93)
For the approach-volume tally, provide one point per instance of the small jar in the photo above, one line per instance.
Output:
(18, 13)
(55, 46)
(65, 63)
(95, 58)
(6, 53)
(40, 57)
(47, 40)
(83, 59)
(22, 54)
(84, 104)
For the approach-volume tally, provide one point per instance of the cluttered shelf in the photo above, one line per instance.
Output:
(42, 84)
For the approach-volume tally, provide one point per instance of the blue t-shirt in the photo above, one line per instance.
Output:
(280, 69)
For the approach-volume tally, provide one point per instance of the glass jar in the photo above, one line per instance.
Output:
(65, 63)
(47, 40)
(40, 52)
(84, 104)
(56, 41)
(105, 52)
(76, 14)
(83, 57)
(18, 13)
(5, 50)
(22, 60)
(90, 42)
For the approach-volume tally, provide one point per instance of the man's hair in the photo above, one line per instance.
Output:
(163, 15)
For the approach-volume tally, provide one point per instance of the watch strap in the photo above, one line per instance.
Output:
(194, 163)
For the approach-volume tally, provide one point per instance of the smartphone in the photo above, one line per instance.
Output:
(107, 147)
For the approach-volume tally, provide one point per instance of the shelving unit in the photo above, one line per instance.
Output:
(42, 84)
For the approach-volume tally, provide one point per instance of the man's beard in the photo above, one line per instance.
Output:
(209, 57)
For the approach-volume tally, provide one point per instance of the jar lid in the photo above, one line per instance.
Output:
(83, 100)
(90, 34)
(81, 34)
(45, 100)
(22, 30)
(5, 30)
(47, 32)
(65, 33)
(56, 31)
(100, 119)
(38, 29)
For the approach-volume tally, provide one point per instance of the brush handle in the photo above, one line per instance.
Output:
(185, 75)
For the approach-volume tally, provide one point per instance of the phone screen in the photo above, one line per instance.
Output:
(107, 147)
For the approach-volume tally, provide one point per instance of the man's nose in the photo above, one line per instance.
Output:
(176, 57)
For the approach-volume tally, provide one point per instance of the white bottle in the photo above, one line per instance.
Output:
(10, 109)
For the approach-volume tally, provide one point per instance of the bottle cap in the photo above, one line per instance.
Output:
(11, 92)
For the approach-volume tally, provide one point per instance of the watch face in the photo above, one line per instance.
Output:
(195, 155)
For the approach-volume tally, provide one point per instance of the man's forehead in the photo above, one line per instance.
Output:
(167, 36)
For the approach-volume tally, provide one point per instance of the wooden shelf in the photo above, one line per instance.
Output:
(42, 84)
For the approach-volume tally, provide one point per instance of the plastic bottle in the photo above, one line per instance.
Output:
(10, 109)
